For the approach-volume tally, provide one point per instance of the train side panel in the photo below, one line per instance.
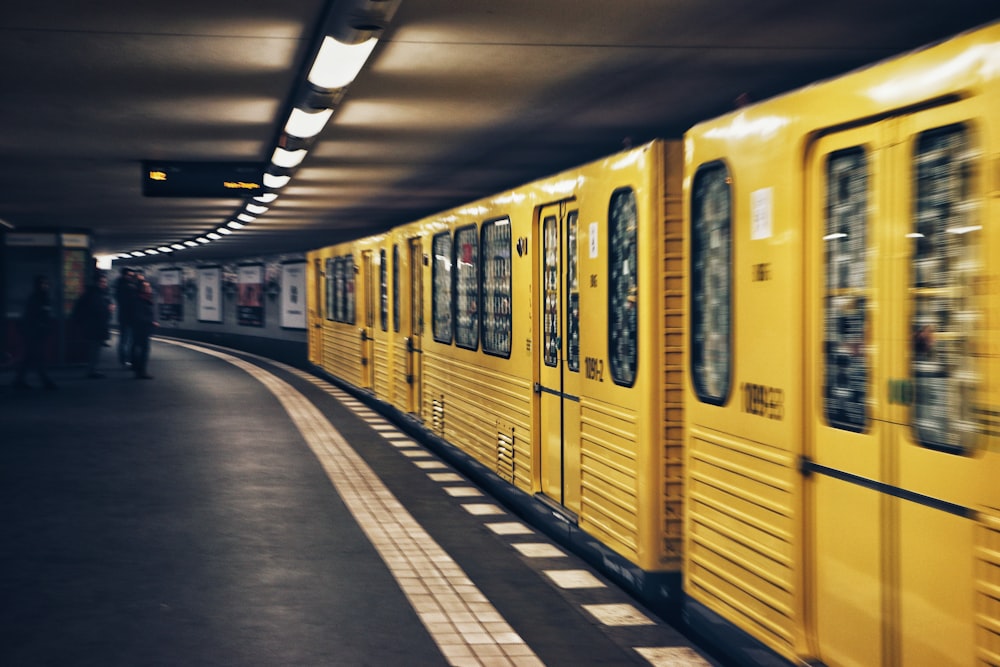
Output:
(476, 387)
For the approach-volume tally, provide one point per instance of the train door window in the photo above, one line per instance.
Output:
(711, 283)
(384, 291)
(338, 289)
(623, 287)
(350, 312)
(466, 290)
(395, 287)
(330, 289)
(497, 290)
(550, 282)
(573, 292)
(847, 372)
(945, 314)
(441, 287)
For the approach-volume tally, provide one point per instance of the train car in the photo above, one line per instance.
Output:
(539, 332)
(841, 396)
(342, 311)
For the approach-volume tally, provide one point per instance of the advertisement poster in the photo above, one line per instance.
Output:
(171, 301)
(250, 298)
(210, 294)
(293, 295)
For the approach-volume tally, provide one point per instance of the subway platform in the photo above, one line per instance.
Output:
(237, 511)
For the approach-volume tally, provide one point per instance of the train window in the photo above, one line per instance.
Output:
(330, 288)
(847, 369)
(441, 286)
(573, 291)
(466, 290)
(384, 286)
(623, 287)
(945, 313)
(497, 290)
(711, 283)
(395, 287)
(550, 280)
(339, 289)
(350, 313)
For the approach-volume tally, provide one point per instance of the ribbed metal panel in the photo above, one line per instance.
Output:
(988, 589)
(741, 549)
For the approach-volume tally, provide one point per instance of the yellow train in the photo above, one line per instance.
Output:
(762, 360)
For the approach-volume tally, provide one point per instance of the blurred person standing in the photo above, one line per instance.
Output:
(126, 292)
(143, 323)
(36, 327)
(92, 315)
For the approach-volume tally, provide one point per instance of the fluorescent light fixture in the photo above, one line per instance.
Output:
(246, 217)
(138, 253)
(201, 239)
(256, 209)
(164, 248)
(266, 198)
(213, 236)
(272, 181)
(236, 225)
(287, 159)
(304, 125)
(177, 246)
(337, 64)
(224, 231)
(151, 251)
(835, 236)
(191, 244)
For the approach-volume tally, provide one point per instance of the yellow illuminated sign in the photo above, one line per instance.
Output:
(202, 179)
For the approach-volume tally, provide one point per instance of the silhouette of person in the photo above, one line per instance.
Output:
(126, 289)
(36, 327)
(92, 314)
(143, 323)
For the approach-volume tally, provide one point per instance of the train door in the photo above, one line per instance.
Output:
(317, 312)
(558, 386)
(415, 332)
(845, 451)
(937, 380)
(890, 465)
(367, 331)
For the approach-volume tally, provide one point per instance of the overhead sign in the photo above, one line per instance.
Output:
(202, 179)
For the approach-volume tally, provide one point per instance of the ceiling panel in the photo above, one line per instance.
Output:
(459, 100)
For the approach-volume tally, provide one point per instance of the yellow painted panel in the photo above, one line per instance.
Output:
(936, 579)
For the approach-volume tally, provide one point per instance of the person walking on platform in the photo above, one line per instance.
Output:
(125, 295)
(143, 323)
(36, 327)
(92, 315)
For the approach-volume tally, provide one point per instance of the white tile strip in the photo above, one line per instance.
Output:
(510, 528)
(445, 477)
(618, 614)
(538, 550)
(672, 656)
(456, 614)
(415, 453)
(574, 579)
(430, 465)
(482, 509)
(462, 491)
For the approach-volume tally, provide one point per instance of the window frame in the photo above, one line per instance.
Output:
(697, 379)
(503, 300)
